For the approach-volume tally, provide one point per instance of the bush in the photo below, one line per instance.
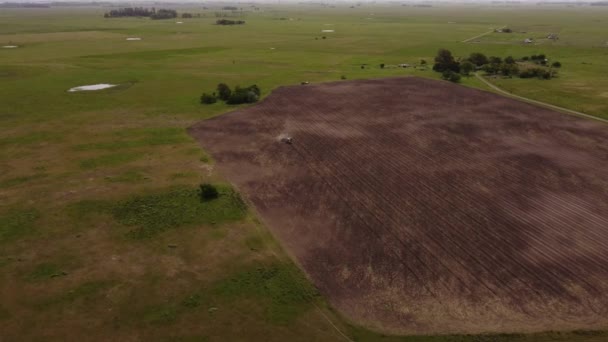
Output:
(451, 76)
(240, 95)
(208, 99)
(208, 192)
(556, 65)
(255, 89)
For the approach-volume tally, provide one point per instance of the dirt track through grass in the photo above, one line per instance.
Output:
(544, 104)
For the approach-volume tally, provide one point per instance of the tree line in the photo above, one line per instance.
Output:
(239, 95)
(141, 12)
(229, 22)
(452, 69)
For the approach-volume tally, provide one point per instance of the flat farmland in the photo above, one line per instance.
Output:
(422, 207)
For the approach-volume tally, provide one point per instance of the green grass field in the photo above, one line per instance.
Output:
(101, 234)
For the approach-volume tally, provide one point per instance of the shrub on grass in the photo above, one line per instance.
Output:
(208, 192)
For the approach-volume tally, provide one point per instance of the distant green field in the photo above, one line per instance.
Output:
(78, 169)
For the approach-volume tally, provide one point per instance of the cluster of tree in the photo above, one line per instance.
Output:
(239, 95)
(496, 65)
(23, 5)
(229, 22)
(130, 12)
(164, 14)
(536, 73)
(540, 60)
(187, 15)
(230, 8)
(452, 68)
(141, 12)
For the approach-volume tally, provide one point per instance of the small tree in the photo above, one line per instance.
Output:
(556, 64)
(422, 62)
(223, 91)
(466, 68)
(510, 60)
(208, 192)
(208, 99)
(381, 65)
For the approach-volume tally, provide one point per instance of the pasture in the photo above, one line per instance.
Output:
(83, 174)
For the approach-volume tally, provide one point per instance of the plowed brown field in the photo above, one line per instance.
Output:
(419, 206)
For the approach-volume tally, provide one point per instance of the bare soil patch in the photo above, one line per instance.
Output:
(419, 206)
